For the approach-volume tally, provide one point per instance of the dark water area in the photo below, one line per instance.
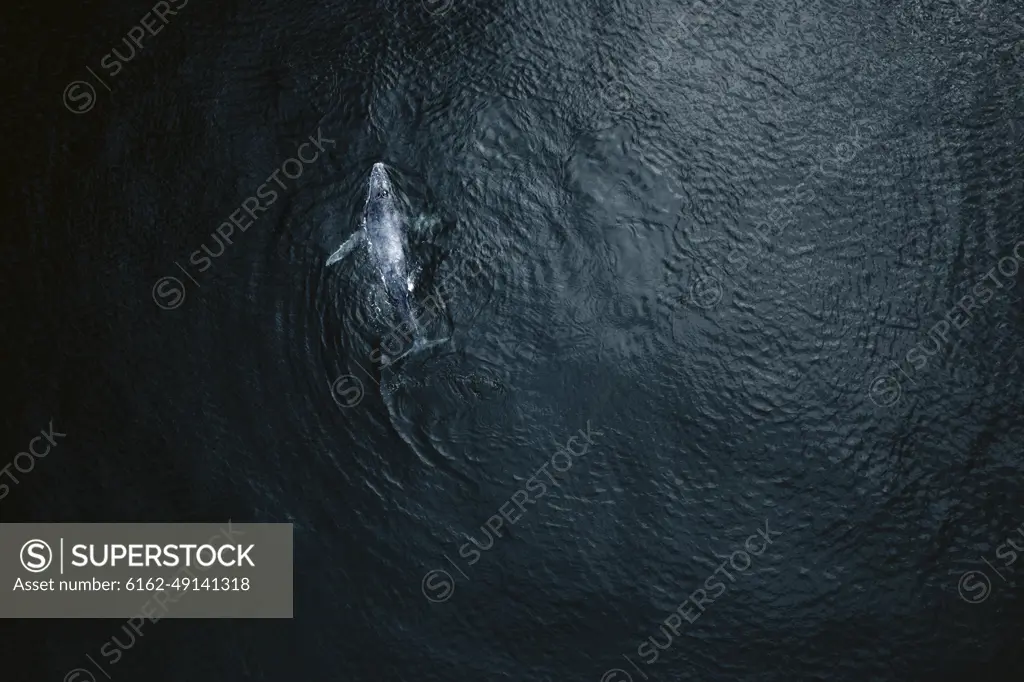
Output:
(732, 294)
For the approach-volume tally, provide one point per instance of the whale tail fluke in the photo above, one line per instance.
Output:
(418, 346)
(420, 343)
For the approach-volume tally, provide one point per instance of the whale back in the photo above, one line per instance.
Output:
(382, 213)
(384, 223)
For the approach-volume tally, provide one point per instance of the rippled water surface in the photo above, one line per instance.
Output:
(724, 246)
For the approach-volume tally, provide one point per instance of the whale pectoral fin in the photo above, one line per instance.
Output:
(425, 224)
(345, 249)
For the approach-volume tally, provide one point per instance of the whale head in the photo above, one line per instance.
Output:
(382, 207)
(380, 184)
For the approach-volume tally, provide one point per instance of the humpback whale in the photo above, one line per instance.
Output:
(382, 231)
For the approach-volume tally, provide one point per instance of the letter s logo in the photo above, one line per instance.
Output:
(36, 556)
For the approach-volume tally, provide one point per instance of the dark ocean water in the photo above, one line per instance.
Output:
(733, 242)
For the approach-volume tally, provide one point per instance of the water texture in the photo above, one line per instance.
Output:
(715, 405)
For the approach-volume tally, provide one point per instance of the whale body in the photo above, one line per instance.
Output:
(382, 231)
